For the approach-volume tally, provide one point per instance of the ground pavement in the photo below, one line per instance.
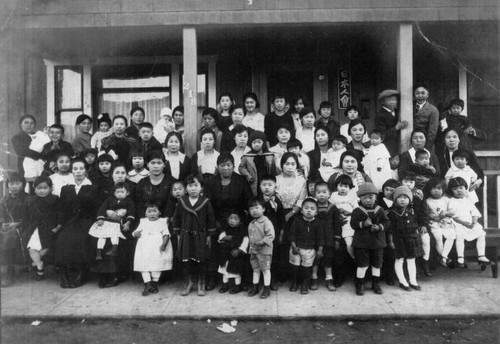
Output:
(448, 294)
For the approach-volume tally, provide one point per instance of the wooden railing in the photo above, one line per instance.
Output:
(489, 177)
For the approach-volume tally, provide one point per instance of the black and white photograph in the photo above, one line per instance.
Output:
(249, 171)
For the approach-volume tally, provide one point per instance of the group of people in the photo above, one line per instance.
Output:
(284, 197)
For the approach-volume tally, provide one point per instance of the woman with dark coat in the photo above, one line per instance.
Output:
(226, 191)
(77, 212)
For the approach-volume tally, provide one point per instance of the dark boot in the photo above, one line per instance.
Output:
(154, 287)
(254, 290)
(358, 282)
(98, 255)
(295, 273)
(224, 288)
(64, 278)
(425, 266)
(235, 289)
(265, 292)
(314, 284)
(338, 279)
(305, 272)
(274, 284)
(112, 281)
(211, 281)
(102, 280)
(147, 289)
(78, 280)
(113, 252)
(376, 285)
(40, 274)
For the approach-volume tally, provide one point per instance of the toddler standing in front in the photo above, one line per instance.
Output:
(153, 252)
(261, 236)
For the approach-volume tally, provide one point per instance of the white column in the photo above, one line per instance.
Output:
(212, 86)
(87, 90)
(462, 85)
(174, 86)
(51, 98)
(190, 89)
(405, 80)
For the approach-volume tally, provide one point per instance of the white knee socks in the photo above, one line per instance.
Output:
(426, 245)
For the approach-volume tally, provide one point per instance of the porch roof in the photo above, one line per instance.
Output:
(33, 14)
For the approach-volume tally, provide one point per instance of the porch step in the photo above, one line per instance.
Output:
(492, 244)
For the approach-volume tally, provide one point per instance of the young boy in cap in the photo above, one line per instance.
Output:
(404, 236)
(369, 222)
(387, 120)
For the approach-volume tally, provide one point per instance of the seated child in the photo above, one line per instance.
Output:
(369, 222)
(345, 200)
(233, 248)
(13, 218)
(258, 162)
(394, 161)
(376, 161)
(261, 237)
(330, 217)
(441, 223)
(275, 212)
(107, 227)
(404, 237)
(295, 146)
(52, 149)
(459, 168)
(422, 168)
(42, 223)
(153, 252)
(466, 217)
(138, 170)
(306, 244)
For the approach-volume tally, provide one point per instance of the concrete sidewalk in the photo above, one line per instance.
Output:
(448, 294)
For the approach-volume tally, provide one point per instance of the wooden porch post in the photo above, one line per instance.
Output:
(405, 80)
(190, 89)
(462, 85)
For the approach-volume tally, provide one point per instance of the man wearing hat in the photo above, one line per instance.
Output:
(387, 120)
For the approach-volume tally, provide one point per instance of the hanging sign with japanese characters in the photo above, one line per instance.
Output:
(344, 87)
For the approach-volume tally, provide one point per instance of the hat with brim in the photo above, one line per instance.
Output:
(387, 93)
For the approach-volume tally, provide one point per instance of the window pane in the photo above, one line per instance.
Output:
(161, 81)
(121, 103)
(67, 119)
(69, 88)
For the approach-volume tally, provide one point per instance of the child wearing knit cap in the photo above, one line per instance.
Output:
(404, 237)
(369, 222)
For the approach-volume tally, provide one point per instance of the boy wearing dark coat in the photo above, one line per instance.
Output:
(369, 222)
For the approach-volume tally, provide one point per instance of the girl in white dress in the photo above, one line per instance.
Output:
(345, 200)
(376, 161)
(441, 223)
(467, 227)
(153, 253)
(62, 176)
(253, 118)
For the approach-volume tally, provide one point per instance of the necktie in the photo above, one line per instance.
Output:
(272, 201)
(417, 108)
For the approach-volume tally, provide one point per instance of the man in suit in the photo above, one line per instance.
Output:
(387, 120)
(426, 116)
